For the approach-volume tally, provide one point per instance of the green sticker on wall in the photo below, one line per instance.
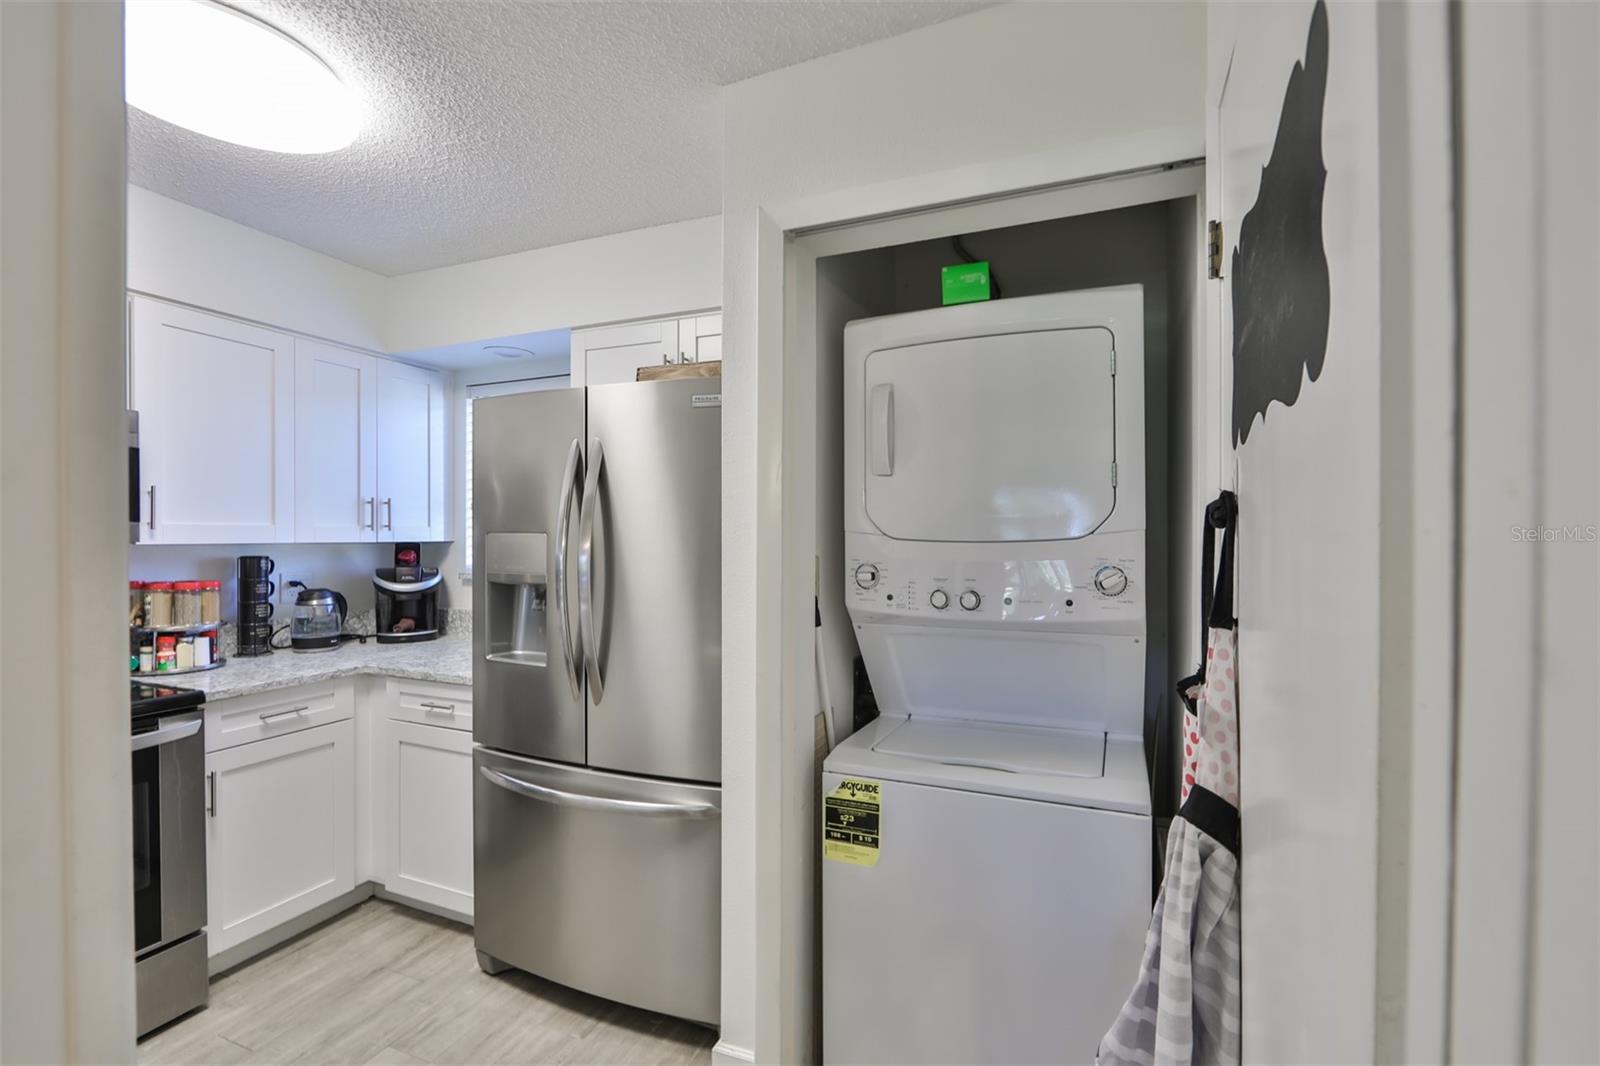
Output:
(965, 282)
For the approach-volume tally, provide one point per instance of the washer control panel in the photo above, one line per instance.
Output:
(1094, 588)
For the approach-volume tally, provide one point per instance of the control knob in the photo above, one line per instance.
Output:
(939, 598)
(866, 576)
(970, 600)
(1111, 580)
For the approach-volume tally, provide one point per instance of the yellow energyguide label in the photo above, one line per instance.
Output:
(851, 822)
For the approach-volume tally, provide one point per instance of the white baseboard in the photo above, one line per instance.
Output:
(726, 1054)
(228, 958)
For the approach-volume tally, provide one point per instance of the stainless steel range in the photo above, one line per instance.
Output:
(169, 852)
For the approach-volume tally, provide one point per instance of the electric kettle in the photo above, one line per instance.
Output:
(318, 619)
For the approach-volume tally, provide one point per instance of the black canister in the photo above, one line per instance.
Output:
(254, 597)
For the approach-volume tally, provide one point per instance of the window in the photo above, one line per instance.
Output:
(478, 392)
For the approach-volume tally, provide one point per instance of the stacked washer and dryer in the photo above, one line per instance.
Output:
(989, 835)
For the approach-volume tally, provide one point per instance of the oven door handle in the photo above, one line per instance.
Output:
(167, 734)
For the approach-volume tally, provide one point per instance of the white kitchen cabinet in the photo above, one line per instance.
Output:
(410, 493)
(607, 355)
(280, 835)
(700, 339)
(335, 443)
(422, 793)
(424, 811)
(216, 421)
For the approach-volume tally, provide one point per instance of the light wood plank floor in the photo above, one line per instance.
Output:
(386, 984)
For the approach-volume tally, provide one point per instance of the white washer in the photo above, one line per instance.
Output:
(994, 537)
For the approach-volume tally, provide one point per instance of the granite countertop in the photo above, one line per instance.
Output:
(447, 661)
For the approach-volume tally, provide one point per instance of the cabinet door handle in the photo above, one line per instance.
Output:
(388, 512)
(269, 716)
(371, 503)
(446, 708)
(152, 523)
(211, 793)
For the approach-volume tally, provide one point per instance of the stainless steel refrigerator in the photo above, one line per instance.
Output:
(596, 684)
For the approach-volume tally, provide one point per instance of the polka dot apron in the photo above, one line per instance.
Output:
(1184, 1007)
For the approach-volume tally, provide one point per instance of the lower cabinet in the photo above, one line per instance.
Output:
(424, 778)
(299, 780)
(281, 830)
(422, 793)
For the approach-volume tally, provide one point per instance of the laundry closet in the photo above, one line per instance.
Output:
(1007, 496)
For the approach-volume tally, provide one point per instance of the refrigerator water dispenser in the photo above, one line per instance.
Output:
(515, 566)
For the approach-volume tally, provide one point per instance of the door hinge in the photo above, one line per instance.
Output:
(1214, 249)
(1113, 473)
(1113, 362)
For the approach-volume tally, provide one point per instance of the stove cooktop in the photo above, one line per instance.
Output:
(163, 699)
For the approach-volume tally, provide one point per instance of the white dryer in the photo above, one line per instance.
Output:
(986, 883)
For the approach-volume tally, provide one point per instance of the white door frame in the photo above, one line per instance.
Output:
(785, 532)
(1525, 978)
(66, 914)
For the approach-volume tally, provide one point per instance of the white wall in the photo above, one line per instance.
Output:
(648, 273)
(345, 568)
(66, 871)
(191, 256)
(822, 132)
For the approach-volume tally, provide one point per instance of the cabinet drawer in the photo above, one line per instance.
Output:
(449, 706)
(230, 723)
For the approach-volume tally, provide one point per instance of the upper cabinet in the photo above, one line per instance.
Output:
(335, 443)
(607, 355)
(216, 410)
(700, 339)
(411, 496)
(251, 436)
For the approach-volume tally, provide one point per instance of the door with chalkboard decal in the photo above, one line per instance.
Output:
(1294, 168)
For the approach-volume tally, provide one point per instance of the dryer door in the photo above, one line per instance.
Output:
(1002, 438)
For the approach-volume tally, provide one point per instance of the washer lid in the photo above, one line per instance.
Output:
(1013, 749)
(1120, 784)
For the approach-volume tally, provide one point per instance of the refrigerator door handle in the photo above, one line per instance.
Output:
(602, 804)
(588, 635)
(571, 482)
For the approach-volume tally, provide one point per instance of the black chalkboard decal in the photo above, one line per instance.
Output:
(1280, 267)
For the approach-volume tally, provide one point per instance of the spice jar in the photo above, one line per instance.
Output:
(166, 653)
(210, 602)
(147, 658)
(136, 603)
(158, 605)
(186, 603)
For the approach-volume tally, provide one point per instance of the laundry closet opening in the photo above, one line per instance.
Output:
(1143, 229)
(1156, 245)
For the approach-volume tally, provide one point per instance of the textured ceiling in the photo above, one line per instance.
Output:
(495, 126)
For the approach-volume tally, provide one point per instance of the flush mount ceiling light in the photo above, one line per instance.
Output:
(507, 351)
(217, 71)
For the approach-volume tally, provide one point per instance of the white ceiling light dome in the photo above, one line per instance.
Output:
(217, 71)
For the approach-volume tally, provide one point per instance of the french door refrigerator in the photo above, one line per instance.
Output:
(597, 689)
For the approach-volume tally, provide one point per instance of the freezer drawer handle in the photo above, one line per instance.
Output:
(588, 635)
(571, 484)
(603, 804)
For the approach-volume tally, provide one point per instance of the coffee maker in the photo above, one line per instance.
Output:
(407, 597)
